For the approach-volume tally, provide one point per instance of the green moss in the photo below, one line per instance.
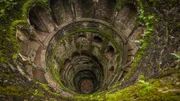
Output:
(150, 20)
(14, 90)
(46, 88)
(105, 33)
(7, 38)
(5, 75)
(13, 13)
(10, 17)
(159, 89)
(31, 3)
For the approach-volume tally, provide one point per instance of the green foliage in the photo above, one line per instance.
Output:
(139, 41)
(11, 16)
(13, 13)
(15, 56)
(146, 88)
(5, 75)
(149, 19)
(139, 89)
(9, 45)
(12, 91)
(27, 6)
(176, 55)
(15, 90)
(6, 5)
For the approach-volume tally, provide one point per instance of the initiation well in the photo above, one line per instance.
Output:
(77, 50)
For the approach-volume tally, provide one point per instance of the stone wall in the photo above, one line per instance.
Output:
(113, 46)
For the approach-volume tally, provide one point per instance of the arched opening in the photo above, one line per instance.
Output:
(75, 54)
(132, 11)
(66, 62)
(104, 10)
(61, 10)
(110, 51)
(81, 36)
(125, 20)
(54, 6)
(37, 18)
(97, 39)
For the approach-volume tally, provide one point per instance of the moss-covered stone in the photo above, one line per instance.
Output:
(166, 87)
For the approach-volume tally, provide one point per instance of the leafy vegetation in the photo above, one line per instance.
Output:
(7, 5)
(141, 91)
(12, 13)
(176, 55)
(19, 91)
(149, 21)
